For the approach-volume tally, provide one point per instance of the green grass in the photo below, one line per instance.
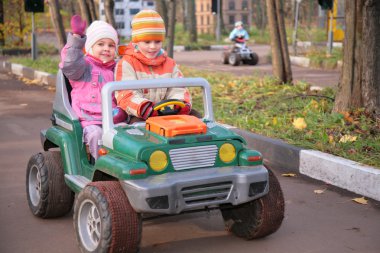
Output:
(258, 105)
(46, 63)
(319, 58)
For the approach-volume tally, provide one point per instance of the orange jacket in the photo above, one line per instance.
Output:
(135, 66)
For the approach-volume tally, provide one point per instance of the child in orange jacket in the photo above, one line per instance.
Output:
(144, 58)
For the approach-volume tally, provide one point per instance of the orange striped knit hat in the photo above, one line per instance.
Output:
(147, 25)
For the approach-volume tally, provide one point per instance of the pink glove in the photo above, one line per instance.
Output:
(78, 26)
(119, 115)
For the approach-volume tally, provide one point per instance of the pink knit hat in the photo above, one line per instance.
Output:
(99, 30)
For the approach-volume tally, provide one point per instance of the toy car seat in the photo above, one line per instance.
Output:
(62, 104)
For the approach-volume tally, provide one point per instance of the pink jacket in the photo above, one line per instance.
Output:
(87, 76)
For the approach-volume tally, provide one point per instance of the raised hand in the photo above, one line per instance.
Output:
(78, 26)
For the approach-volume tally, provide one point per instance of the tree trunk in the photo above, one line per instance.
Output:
(192, 22)
(221, 19)
(280, 55)
(371, 57)
(284, 43)
(185, 15)
(2, 39)
(92, 10)
(162, 9)
(360, 80)
(56, 19)
(108, 11)
(85, 12)
(171, 27)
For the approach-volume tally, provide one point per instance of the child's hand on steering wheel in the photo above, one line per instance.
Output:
(184, 110)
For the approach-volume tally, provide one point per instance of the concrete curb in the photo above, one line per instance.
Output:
(300, 61)
(43, 78)
(337, 171)
(305, 62)
(343, 173)
(180, 48)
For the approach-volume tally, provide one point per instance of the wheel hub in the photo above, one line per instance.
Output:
(89, 224)
(35, 185)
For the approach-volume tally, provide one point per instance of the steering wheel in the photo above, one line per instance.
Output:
(167, 107)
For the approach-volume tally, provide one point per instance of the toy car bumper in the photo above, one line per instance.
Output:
(173, 193)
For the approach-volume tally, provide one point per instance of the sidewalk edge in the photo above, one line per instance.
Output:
(340, 172)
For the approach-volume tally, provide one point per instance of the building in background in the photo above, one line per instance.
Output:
(124, 11)
(206, 19)
(239, 10)
(232, 11)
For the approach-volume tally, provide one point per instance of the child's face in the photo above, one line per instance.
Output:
(104, 49)
(150, 48)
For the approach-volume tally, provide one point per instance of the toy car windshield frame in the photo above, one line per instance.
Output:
(109, 88)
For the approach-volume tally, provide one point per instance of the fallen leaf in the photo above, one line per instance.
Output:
(361, 200)
(354, 229)
(289, 175)
(314, 104)
(347, 138)
(347, 117)
(319, 191)
(299, 123)
(274, 121)
(232, 84)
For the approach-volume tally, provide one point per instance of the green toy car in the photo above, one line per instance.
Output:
(168, 165)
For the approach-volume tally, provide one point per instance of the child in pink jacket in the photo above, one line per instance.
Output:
(88, 73)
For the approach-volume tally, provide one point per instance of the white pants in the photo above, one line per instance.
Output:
(91, 136)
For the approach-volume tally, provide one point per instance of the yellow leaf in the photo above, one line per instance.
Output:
(348, 138)
(299, 123)
(361, 200)
(232, 84)
(314, 104)
(274, 121)
(331, 139)
(319, 191)
(289, 175)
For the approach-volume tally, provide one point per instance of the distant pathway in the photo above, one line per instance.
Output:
(211, 60)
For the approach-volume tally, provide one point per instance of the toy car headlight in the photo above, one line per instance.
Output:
(227, 152)
(158, 160)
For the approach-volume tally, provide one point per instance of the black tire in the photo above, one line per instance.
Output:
(258, 218)
(105, 221)
(47, 193)
(254, 59)
(225, 56)
(234, 59)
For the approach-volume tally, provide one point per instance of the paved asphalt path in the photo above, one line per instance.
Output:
(211, 60)
(320, 223)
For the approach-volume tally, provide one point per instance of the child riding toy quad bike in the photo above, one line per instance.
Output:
(240, 53)
(168, 165)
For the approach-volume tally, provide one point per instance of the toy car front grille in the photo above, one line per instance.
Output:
(193, 157)
(206, 193)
